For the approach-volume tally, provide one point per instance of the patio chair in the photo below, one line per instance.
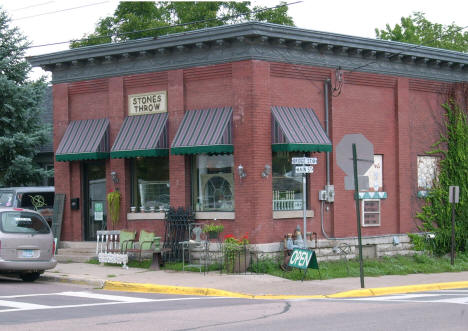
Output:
(148, 242)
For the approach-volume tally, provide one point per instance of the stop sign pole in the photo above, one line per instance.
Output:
(358, 214)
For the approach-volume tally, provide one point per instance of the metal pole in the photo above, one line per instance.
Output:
(452, 252)
(304, 208)
(358, 214)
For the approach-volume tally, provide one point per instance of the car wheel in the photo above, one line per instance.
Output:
(30, 277)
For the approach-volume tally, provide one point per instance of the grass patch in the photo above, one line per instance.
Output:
(395, 265)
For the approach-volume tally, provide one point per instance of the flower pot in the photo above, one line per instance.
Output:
(213, 235)
(238, 263)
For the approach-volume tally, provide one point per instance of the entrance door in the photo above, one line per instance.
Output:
(95, 198)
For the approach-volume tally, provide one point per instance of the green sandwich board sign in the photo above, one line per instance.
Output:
(303, 259)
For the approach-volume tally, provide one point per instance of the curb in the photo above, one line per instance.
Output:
(97, 283)
(182, 290)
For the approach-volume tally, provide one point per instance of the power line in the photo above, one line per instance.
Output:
(60, 11)
(32, 6)
(169, 26)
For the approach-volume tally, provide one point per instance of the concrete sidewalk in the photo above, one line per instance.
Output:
(248, 285)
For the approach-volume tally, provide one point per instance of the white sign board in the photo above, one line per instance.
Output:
(147, 103)
(304, 160)
(454, 194)
(304, 169)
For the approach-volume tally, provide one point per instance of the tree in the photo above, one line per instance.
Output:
(134, 20)
(21, 130)
(416, 29)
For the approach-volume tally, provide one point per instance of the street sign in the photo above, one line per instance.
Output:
(454, 194)
(303, 259)
(304, 169)
(304, 160)
(365, 159)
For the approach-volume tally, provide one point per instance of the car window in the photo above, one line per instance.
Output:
(22, 222)
(36, 200)
(6, 199)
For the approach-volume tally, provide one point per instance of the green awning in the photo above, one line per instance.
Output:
(298, 130)
(84, 140)
(142, 135)
(204, 131)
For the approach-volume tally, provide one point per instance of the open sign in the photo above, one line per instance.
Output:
(303, 259)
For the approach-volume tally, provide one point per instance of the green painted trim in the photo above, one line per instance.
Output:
(215, 149)
(81, 156)
(300, 148)
(137, 153)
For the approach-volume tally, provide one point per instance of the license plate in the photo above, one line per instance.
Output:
(27, 253)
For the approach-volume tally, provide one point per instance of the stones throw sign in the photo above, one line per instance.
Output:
(147, 103)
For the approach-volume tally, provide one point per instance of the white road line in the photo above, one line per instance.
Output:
(21, 305)
(90, 295)
(114, 300)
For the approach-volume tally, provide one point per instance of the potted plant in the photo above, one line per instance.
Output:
(236, 253)
(113, 207)
(213, 230)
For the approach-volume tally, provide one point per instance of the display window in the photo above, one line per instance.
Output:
(287, 185)
(150, 183)
(213, 182)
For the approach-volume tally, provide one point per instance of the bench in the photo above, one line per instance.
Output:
(108, 249)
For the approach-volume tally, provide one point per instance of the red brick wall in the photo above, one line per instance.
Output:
(399, 116)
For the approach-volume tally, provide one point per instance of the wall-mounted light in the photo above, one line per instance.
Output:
(114, 177)
(266, 171)
(241, 171)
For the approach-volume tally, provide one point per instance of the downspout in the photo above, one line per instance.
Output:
(327, 130)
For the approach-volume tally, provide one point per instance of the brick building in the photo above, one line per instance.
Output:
(210, 119)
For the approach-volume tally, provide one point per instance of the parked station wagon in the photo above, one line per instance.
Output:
(26, 243)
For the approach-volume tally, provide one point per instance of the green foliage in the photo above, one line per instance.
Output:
(134, 20)
(419, 244)
(113, 206)
(22, 132)
(416, 29)
(436, 214)
(212, 227)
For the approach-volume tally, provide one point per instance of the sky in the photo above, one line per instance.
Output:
(55, 21)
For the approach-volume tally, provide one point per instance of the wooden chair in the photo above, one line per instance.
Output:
(147, 243)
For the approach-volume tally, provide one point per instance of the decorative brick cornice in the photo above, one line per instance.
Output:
(254, 41)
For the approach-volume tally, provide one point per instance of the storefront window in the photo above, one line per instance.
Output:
(287, 185)
(150, 189)
(213, 183)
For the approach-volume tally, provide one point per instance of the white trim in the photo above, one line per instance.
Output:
(281, 214)
(363, 213)
(219, 215)
(146, 216)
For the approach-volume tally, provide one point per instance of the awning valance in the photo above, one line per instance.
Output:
(298, 130)
(142, 135)
(84, 140)
(204, 131)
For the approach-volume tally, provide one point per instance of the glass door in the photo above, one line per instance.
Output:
(95, 217)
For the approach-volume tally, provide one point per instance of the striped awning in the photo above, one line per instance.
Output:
(142, 135)
(204, 131)
(84, 140)
(298, 130)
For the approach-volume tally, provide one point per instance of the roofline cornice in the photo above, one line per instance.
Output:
(276, 36)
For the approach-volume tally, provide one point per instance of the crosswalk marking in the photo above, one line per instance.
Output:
(20, 305)
(14, 306)
(98, 296)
